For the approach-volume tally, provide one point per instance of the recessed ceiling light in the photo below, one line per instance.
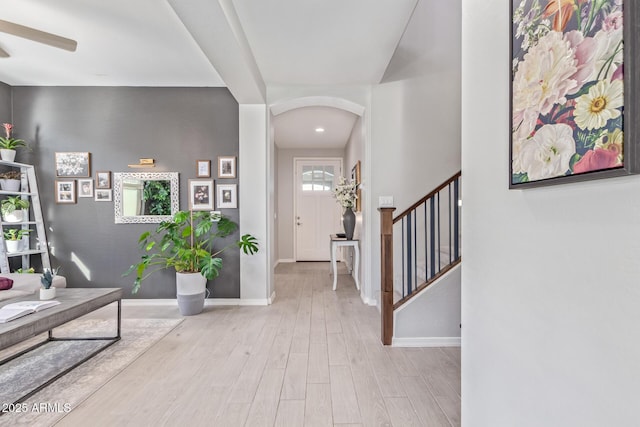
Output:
(319, 130)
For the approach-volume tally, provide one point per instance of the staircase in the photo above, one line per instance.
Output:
(419, 248)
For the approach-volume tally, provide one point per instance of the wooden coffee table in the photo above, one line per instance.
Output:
(74, 303)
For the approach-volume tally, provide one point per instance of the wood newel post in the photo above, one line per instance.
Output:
(386, 273)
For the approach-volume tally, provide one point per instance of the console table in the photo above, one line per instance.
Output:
(338, 242)
(74, 303)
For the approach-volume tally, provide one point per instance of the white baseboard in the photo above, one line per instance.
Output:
(207, 301)
(426, 342)
(284, 261)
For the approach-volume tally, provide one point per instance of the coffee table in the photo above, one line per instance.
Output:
(74, 303)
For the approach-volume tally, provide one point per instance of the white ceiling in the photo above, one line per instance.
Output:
(175, 43)
(297, 128)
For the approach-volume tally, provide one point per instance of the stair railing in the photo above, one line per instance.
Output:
(427, 239)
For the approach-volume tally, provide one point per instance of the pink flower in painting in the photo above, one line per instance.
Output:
(584, 49)
(596, 159)
(612, 22)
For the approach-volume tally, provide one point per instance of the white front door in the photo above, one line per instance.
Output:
(317, 213)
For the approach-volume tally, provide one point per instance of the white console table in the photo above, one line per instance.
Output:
(337, 242)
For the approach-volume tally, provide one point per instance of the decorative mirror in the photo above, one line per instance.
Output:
(146, 197)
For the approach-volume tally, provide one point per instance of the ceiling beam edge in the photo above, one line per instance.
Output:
(215, 27)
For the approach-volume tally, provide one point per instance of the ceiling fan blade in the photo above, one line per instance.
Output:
(38, 36)
(3, 53)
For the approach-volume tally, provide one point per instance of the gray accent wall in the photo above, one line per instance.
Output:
(119, 125)
(5, 103)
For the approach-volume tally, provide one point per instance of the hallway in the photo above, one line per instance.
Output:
(313, 358)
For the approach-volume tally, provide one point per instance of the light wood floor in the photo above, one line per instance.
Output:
(313, 358)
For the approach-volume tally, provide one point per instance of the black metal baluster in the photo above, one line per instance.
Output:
(456, 220)
(409, 256)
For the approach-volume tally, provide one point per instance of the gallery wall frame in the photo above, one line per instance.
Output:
(65, 191)
(226, 167)
(103, 179)
(355, 177)
(576, 120)
(85, 188)
(104, 195)
(73, 164)
(203, 168)
(201, 194)
(227, 196)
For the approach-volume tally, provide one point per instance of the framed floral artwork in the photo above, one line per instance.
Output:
(227, 196)
(201, 194)
(73, 164)
(571, 107)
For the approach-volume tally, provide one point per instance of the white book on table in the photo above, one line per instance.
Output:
(18, 309)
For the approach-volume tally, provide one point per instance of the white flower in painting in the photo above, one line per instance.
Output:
(548, 152)
(608, 53)
(544, 76)
(601, 104)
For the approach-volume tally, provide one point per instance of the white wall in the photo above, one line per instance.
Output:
(354, 152)
(286, 179)
(415, 115)
(255, 273)
(550, 276)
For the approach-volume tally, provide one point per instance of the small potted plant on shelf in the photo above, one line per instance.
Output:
(12, 208)
(10, 180)
(186, 243)
(13, 237)
(8, 144)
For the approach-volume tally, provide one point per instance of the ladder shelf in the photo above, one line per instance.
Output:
(30, 246)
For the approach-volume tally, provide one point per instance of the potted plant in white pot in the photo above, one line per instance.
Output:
(8, 144)
(187, 243)
(13, 237)
(12, 208)
(10, 180)
(47, 291)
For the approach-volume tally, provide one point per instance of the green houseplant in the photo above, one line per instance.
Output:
(47, 291)
(13, 236)
(187, 243)
(11, 208)
(8, 144)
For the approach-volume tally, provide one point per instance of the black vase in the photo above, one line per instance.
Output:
(349, 223)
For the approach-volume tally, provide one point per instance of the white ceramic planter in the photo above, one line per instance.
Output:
(7, 155)
(191, 289)
(12, 245)
(15, 216)
(47, 293)
(10, 184)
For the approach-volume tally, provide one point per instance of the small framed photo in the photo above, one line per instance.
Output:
(226, 167)
(73, 164)
(103, 179)
(201, 194)
(103, 195)
(216, 216)
(85, 188)
(65, 191)
(203, 168)
(227, 195)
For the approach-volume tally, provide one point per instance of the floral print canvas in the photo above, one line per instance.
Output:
(567, 88)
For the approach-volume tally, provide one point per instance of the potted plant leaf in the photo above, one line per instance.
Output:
(12, 208)
(8, 144)
(187, 243)
(10, 180)
(13, 237)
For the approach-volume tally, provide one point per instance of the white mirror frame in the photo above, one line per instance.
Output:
(119, 177)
